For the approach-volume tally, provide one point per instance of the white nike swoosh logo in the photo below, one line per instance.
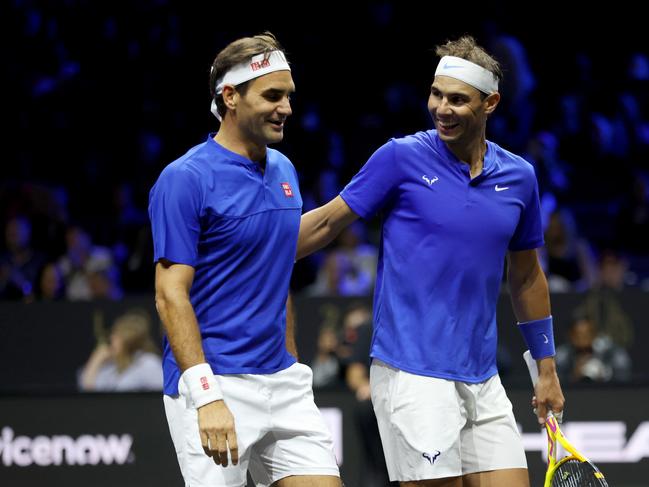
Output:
(501, 188)
(545, 338)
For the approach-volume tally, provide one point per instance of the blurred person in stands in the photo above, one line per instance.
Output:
(51, 285)
(128, 362)
(326, 365)
(89, 270)
(567, 259)
(553, 173)
(358, 337)
(633, 219)
(225, 219)
(20, 264)
(603, 302)
(590, 356)
(349, 269)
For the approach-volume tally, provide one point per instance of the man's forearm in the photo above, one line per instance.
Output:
(356, 375)
(315, 232)
(530, 295)
(179, 320)
(320, 226)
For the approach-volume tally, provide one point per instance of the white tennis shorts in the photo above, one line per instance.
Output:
(280, 431)
(434, 428)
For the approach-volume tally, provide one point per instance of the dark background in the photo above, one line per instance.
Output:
(100, 96)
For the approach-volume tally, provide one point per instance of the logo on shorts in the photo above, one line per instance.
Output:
(431, 457)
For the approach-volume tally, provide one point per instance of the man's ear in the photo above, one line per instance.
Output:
(230, 97)
(491, 102)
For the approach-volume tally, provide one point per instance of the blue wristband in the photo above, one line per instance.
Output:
(539, 337)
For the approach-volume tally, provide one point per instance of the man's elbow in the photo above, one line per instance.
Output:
(166, 299)
(161, 303)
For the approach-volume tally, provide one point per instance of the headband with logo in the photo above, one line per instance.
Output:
(472, 74)
(259, 65)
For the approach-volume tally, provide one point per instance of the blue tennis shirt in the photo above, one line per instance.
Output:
(216, 211)
(444, 239)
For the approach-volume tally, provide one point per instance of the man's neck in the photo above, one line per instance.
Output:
(472, 154)
(231, 138)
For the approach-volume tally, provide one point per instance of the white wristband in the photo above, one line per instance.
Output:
(201, 385)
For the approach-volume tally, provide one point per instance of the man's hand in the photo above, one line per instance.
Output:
(216, 427)
(548, 391)
(363, 393)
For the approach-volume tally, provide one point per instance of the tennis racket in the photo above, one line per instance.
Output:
(574, 470)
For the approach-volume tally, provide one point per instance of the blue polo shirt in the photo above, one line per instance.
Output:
(237, 227)
(444, 239)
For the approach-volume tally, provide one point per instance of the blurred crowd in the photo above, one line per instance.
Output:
(93, 123)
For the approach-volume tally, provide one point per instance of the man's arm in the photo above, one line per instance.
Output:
(531, 301)
(215, 422)
(357, 378)
(172, 285)
(320, 226)
(291, 346)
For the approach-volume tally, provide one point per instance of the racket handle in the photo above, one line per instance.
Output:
(531, 367)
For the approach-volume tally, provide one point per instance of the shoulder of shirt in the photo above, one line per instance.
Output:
(415, 144)
(416, 140)
(189, 164)
(516, 162)
(278, 157)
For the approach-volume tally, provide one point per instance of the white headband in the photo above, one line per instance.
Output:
(259, 65)
(472, 74)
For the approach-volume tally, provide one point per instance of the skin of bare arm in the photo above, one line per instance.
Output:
(215, 421)
(531, 301)
(320, 226)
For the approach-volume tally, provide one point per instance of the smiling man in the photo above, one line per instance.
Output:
(225, 220)
(454, 207)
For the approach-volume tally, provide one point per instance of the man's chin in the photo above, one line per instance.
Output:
(275, 137)
(446, 137)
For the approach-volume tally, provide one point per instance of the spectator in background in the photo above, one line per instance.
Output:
(552, 172)
(89, 270)
(567, 258)
(128, 362)
(355, 316)
(633, 219)
(603, 304)
(349, 269)
(20, 265)
(590, 356)
(357, 377)
(511, 125)
(51, 286)
(325, 365)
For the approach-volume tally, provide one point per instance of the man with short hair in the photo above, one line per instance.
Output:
(453, 207)
(225, 219)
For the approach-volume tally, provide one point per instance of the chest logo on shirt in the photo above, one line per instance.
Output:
(288, 192)
(430, 180)
(501, 188)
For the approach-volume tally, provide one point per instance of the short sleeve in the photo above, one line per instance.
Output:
(529, 231)
(174, 210)
(374, 184)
